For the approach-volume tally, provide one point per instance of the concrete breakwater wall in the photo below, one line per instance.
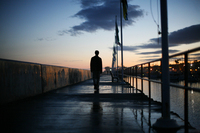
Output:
(20, 80)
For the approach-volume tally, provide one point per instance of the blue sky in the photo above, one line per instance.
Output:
(67, 32)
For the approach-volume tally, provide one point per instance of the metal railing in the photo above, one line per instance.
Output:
(188, 68)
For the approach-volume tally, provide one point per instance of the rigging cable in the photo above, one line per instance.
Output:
(157, 24)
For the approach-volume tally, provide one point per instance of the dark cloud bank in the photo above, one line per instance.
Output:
(187, 35)
(100, 14)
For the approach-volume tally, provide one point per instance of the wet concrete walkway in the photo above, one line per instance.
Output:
(80, 109)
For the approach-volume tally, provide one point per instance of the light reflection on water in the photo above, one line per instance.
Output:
(176, 99)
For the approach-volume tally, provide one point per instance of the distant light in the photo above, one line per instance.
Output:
(191, 65)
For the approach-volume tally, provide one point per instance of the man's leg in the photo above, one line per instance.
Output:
(98, 77)
(93, 76)
(95, 79)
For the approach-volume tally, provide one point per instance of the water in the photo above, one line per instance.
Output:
(176, 99)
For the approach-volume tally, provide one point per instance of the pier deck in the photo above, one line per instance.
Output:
(79, 108)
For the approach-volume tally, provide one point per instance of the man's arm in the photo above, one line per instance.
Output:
(101, 65)
(91, 65)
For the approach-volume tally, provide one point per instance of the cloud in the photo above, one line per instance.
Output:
(186, 35)
(126, 48)
(100, 14)
(150, 56)
(62, 32)
(129, 48)
(40, 39)
(88, 3)
(195, 56)
(45, 39)
(152, 45)
(147, 60)
(158, 52)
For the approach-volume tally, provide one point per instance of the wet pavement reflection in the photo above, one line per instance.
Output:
(80, 108)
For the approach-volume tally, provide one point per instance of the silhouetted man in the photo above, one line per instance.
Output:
(96, 69)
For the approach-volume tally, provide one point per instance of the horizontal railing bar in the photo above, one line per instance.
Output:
(171, 84)
(147, 62)
(150, 80)
(187, 88)
(145, 79)
(182, 53)
(188, 51)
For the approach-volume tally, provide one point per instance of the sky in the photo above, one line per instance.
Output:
(67, 32)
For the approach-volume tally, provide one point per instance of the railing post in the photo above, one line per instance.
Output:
(127, 72)
(149, 77)
(42, 79)
(136, 77)
(141, 78)
(130, 75)
(142, 117)
(133, 78)
(186, 93)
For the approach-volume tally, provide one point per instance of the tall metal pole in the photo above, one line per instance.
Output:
(121, 41)
(165, 123)
(117, 50)
(117, 63)
(149, 76)
(165, 62)
(186, 93)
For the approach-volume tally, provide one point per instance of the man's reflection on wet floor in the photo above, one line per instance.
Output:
(96, 113)
(96, 119)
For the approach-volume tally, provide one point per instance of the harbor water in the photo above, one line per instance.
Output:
(176, 98)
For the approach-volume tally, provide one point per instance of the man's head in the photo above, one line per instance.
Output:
(96, 52)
